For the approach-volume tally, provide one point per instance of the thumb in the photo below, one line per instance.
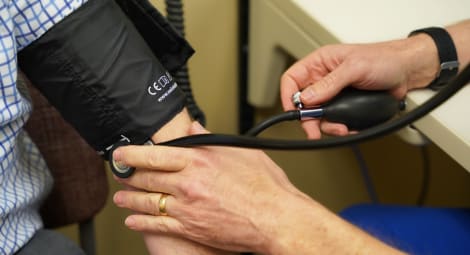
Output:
(326, 88)
(197, 129)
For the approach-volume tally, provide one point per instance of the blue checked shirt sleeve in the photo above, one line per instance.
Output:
(34, 18)
(24, 177)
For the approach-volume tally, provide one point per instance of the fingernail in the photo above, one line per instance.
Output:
(307, 95)
(117, 198)
(118, 159)
(130, 222)
(117, 155)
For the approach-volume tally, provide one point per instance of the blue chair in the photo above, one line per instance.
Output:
(416, 230)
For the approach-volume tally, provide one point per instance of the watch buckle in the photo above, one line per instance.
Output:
(449, 65)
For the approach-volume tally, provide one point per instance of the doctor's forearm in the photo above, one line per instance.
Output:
(460, 34)
(423, 59)
(309, 228)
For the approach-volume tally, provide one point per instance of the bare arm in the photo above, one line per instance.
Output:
(234, 199)
(397, 66)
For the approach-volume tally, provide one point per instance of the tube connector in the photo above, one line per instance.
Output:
(296, 100)
(306, 114)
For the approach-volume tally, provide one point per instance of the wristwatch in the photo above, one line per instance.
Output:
(449, 64)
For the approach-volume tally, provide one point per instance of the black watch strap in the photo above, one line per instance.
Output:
(449, 64)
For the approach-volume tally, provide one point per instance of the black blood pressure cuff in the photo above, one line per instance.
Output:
(172, 49)
(98, 71)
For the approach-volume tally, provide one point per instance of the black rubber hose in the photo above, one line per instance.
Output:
(278, 144)
(175, 17)
(285, 116)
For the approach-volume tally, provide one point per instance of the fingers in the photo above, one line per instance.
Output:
(149, 203)
(152, 157)
(155, 181)
(336, 129)
(312, 129)
(297, 77)
(289, 86)
(327, 87)
(149, 223)
(321, 75)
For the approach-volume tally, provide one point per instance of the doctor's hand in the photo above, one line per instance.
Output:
(396, 66)
(223, 197)
(231, 199)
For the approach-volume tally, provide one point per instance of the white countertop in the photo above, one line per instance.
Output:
(375, 20)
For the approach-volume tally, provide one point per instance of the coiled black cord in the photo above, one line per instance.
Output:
(175, 17)
(278, 144)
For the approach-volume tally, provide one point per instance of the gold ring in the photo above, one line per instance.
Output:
(162, 205)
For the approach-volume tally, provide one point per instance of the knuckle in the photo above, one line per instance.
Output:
(151, 204)
(195, 183)
(161, 226)
(192, 190)
(357, 65)
(328, 81)
(149, 182)
(178, 157)
(151, 158)
(286, 77)
(292, 75)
